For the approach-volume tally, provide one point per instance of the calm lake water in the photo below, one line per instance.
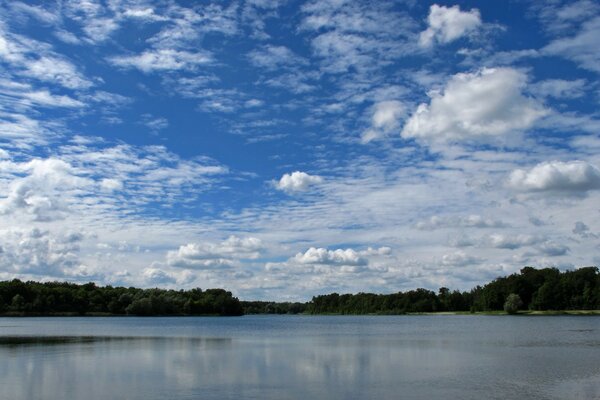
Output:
(301, 357)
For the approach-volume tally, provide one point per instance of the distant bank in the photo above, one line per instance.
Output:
(530, 292)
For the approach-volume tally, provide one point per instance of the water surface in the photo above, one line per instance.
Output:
(301, 357)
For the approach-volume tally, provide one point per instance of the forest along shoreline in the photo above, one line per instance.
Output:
(531, 291)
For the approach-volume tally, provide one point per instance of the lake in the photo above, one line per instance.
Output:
(301, 357)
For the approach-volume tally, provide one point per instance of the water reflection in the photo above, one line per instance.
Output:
(396, 358)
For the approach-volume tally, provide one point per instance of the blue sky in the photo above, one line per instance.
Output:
(284, 149)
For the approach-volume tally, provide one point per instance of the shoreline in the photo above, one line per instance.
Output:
(532, 313)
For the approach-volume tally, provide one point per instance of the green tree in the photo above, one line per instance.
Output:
(513, 303)
(18, 303)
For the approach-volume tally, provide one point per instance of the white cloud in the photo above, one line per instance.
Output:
(385, 119)
(153, 123)
(27, 96)
(21, 131)
(471, 221)
(43, 193)
(297, 182)
(273, 57)
(487, 103)
(208, 255)
(460, 259)
(559, 88)
(186, 25)
(39, 252)
(356, 36)
(447, 24)
(34, 59)
(557, 176)
(110, 185)
(334, 257)
(581, 48)
(163, 60)
(156, 276)
(502, 241)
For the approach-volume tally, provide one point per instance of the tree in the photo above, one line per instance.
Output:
(18, 303)
(513, 303)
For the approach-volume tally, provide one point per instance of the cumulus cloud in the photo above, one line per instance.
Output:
(297, 182)
(328, 263)
(156, 276)
(39, 252)
(557, 176)
(208, 255)
(483, 104)
(447, 24)
(331, 257)
(43, 193)
(385, 118)
(163, 60)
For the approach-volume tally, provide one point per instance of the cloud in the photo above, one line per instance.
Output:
(385, 119)
(446, 24)
(156, 276)
(483, 104)
(583, 231)
(359, 36)
(581, 48)
(460, 259)
(272, 57)
(471, 221)
(40, 252)
(153, 123)
(557, 176)
(43, 192)
(297, 182)
(89, 178)
(111, 185)
(207, 255)
(553, 249)
(502, 241)
(163, 60)
(24, 95)
(34, 59)
(560, 88)
(330, 257)
(186, 25)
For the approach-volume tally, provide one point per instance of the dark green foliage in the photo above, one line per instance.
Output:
(35, 298)
(419, 300)
(538, 289)
(513, 303)
(543, 289)
(271, 307)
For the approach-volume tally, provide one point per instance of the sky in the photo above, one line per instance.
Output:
(286, 149)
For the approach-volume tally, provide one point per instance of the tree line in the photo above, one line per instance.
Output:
(61, 298)
(529, 289)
